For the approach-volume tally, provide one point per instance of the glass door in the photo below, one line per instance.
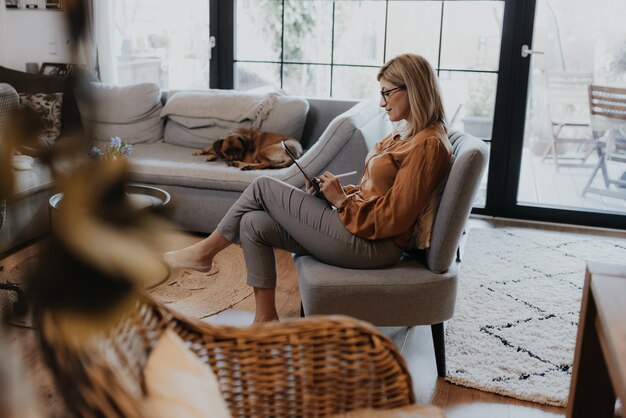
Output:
(567, 160)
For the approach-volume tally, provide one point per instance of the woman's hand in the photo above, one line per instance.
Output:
(309, 187)
(330, 186)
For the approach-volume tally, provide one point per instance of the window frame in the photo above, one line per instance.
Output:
(223, 27)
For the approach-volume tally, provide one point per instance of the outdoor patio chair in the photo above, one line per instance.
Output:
(569, 117)
(608, 121)
(309, 367)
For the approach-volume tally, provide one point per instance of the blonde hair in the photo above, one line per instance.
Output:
(418, 77)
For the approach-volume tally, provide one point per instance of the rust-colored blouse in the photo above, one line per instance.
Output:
(400, 190)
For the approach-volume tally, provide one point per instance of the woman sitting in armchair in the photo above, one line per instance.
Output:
(369, 225)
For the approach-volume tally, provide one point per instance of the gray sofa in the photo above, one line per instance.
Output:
(337, 135)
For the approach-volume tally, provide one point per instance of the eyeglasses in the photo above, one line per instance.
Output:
(384, 94)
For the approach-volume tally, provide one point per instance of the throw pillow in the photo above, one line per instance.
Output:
(38, 83)
(287, 117)
(177, 134)
(130, 112)
(204, 117)
(48, 107)
(179, 385)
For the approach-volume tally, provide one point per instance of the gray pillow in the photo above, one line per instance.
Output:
(287, 117)
(130, 112)
(144, 131)
(177, 134)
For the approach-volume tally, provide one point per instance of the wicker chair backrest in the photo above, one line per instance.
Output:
(305, 367)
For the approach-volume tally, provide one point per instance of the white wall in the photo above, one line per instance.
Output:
(32, 36)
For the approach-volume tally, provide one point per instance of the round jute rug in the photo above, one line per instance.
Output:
(7, 302)
(200, 295)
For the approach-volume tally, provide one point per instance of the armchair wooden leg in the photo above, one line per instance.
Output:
(440, 348)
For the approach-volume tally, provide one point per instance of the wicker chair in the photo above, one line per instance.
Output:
(316, 366)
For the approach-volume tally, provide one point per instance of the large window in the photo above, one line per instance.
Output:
(320, 48)
(334, 48)
(161, 41)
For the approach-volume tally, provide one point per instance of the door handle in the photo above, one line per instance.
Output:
(211, 46)
(526, 51)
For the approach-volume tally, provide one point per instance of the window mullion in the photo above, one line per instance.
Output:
(282, 45)
(440, 38)
(385, 41)
(332, 52)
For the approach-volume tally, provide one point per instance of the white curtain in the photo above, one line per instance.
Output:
(104, 28)
(85, 51)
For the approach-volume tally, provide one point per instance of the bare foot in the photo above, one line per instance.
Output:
(188, 258)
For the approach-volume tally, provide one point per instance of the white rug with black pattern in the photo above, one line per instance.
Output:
(514, 328)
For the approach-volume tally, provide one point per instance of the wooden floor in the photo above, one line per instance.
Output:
(415, 343)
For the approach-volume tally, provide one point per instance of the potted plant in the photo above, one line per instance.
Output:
(478, 119)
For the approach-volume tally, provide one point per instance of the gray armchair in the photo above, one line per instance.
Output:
(9, 100)
(414, 291)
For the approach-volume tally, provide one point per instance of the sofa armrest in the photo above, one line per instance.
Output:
(346, 141)
(321, 114)
(9, 100)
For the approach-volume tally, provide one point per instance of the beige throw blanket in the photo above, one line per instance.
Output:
(204, 109)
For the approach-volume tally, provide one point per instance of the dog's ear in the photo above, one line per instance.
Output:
(217, 148)
(246, 144)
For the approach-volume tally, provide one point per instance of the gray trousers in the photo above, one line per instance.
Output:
(273, 214)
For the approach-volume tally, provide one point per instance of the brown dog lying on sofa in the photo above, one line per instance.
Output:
(249, 149)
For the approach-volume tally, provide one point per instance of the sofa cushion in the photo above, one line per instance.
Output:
(168, 164)
(416, 292)
(200, 120)
(130, 112)
(148, 130)
(178, 384)
(177, 134)
(287, 117)
(38, 177)
(203, 108)
(37, 83)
